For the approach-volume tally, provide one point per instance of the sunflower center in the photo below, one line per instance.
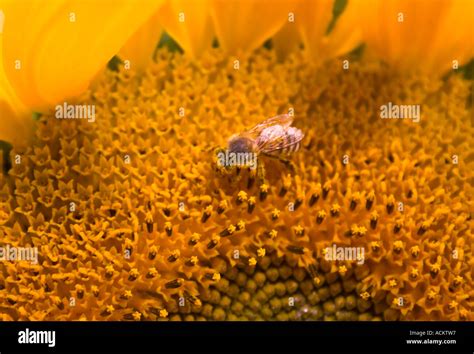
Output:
(187, 240)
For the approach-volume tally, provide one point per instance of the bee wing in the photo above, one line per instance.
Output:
(284, 120)
(278, 138)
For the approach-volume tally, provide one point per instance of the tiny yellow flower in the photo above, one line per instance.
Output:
(241, 196)
(127, 294)
(275, 213)
(240, 225)
(299, 230)
(137, 316)
(452, 305)
(273, 234)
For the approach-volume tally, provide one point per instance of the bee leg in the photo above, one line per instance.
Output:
(251, 177)
(289, 164)
(261, 172)
(219, 165)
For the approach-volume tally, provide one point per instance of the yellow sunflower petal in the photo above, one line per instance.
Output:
(346, 34)
(455, 38)
(15, 128)
(15, 122)
(140, 47)
(312, 19)
(308, 22)
(286, 40)
(189, 23)
(242, 26)
(53, 49)
(425, 35)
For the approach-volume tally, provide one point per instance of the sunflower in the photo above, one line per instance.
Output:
(134, 220)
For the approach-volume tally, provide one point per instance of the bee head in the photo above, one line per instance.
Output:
(239, 143)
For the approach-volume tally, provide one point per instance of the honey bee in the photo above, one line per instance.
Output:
(274, 137)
